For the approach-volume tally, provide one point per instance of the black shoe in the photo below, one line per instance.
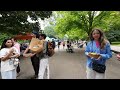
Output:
(18, 74)
(34, 77)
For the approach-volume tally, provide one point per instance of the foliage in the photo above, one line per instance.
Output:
(84, 22)
(14, 22)
(3, 36)
(114, 30)
(114, 33)
(49, 31)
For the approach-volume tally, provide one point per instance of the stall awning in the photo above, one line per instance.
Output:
(27, 36)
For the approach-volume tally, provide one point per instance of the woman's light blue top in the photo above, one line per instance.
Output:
(106, 53)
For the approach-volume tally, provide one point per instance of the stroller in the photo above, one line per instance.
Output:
(70, 49)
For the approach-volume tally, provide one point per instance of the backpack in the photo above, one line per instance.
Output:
(50, 49)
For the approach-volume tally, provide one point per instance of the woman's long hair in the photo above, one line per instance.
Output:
(102, 39)
(4, 42)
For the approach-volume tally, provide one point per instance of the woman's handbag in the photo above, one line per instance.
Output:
(15, 61)
(100, 68)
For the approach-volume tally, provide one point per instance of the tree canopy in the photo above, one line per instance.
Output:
(13, 22)
(83, 22)
(114, 32)
(49, 31)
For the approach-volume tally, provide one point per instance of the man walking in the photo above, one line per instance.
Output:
(44, 64)
(53, 44)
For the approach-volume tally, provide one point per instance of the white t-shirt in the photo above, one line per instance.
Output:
(7, 65)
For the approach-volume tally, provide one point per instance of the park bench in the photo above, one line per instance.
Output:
(115, 49)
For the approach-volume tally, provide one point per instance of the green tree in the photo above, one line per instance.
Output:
(113, 35)
(84, 21)
(114, 27)
(14, 22)
(3, 36)
(49, 31)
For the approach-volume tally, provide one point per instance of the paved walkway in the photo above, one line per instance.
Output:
(65, 65)
(73, 65)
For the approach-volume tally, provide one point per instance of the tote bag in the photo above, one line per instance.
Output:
(36, 45)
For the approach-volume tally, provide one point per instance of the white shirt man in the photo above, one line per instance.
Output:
(44, 64)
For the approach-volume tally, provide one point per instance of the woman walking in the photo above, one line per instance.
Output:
(100, 47)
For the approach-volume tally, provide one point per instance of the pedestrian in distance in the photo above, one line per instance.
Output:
(63, 44)
(59, 44)
(53, 44)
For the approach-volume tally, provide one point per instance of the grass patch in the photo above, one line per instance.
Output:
(115, 43)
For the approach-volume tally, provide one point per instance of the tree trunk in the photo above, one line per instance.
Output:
(91, 16)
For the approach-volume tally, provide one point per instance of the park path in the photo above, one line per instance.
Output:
(63, 65)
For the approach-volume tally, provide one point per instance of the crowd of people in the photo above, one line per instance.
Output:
(97, 51)
(10, 53)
